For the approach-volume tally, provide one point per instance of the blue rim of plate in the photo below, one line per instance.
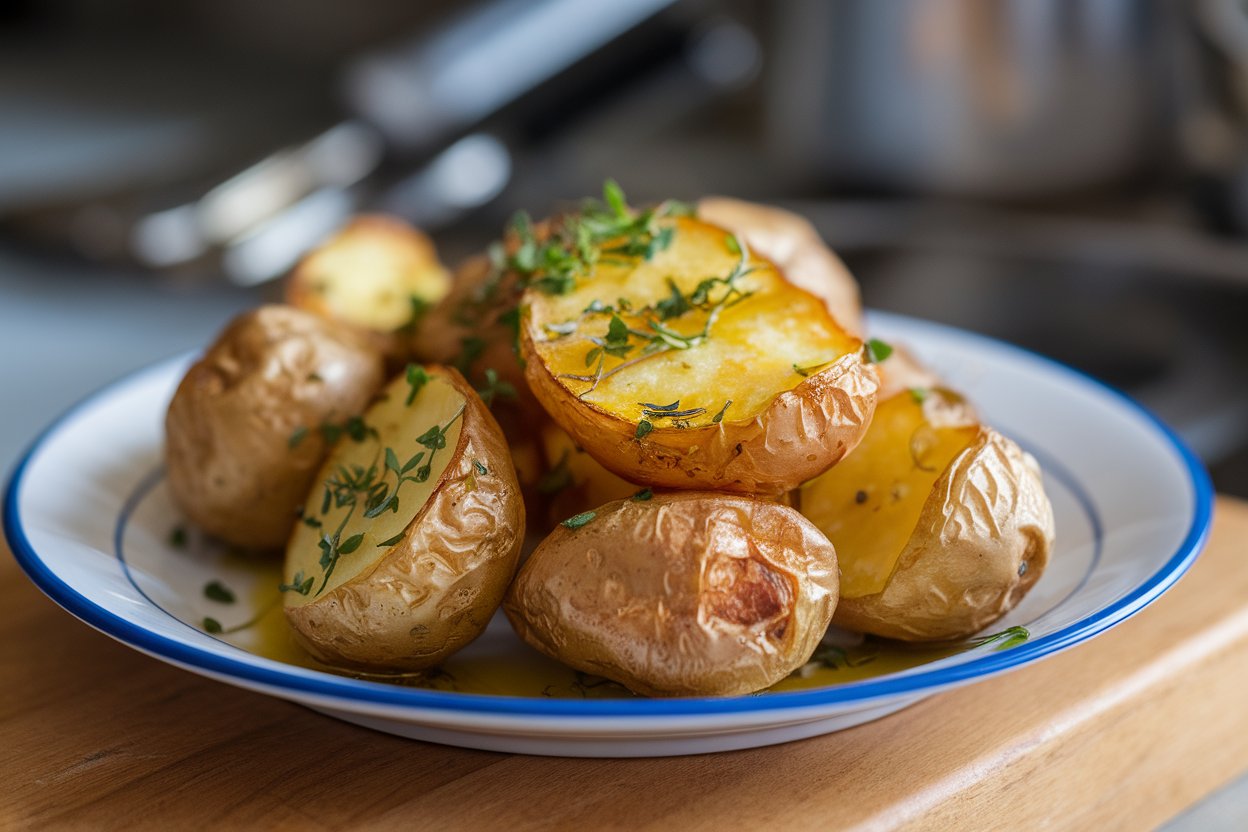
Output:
(912, 683)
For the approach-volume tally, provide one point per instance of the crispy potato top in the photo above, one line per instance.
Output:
(377, 478)
(700, 323)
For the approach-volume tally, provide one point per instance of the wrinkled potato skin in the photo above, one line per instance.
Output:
(686, 594)
(801, 434)
(436, 590)
(793, 244)
(959, 572)
(227, 431)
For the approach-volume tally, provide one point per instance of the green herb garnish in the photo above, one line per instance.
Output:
(643, 428)
(212, 625)
(1005, 639)
(219, 592)
(719, 417)
(579, 520)
(177, 537)
(480, 468)
(495, 388)
(642, 496)
(357, 485)
(298, 584)
(877, 351)
(296, 437)
(417, 378)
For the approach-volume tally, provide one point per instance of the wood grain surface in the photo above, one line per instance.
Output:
(1119, 733)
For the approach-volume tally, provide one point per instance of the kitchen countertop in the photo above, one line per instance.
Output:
(1124, 731)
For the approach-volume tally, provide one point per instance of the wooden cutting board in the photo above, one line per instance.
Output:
(1119, 733)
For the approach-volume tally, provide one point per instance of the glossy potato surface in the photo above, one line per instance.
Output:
(698, 366)
(683, 594)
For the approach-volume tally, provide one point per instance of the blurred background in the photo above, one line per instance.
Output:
(1068, 175)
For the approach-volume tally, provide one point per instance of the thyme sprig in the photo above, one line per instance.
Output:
(653, 336)
(357, 486)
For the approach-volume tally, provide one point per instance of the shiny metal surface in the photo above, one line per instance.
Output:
(974, 97)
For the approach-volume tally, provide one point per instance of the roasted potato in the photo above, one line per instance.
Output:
(681, 594)
(680, 359)
(940, 523)
(791, 242)
(411, 533)
(378, 273)
(242, 433)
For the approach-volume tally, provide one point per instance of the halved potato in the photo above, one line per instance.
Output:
(377, 273)
(682, 594)
(793, 244)
(941, 524)
(694, 363)
(412, 533)
(246, 430)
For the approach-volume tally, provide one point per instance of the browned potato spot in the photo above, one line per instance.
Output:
(681, 594)
(243, 436)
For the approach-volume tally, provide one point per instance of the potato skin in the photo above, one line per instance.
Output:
(793, 244)
(801, 434)
(986, 519)
(228, 429)
(436, 590)
(686, 594)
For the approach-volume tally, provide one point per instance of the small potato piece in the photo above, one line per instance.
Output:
(412, 533)
(941, 524)
(684, 594)
(242, 443)
(699, 366)
(793, 244)
(375, 274)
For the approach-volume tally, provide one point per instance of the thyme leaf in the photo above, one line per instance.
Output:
(219, 592)
(579, 520)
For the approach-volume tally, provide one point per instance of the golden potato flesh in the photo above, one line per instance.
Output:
(697, 365)
(941, 525)
(375, 274)
(683, 594)
(244, 432)
(792, 243)
(411, 534)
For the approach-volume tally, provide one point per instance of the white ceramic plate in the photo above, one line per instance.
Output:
(89, 520)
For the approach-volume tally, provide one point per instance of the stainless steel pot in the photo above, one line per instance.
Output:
(1014, 98)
